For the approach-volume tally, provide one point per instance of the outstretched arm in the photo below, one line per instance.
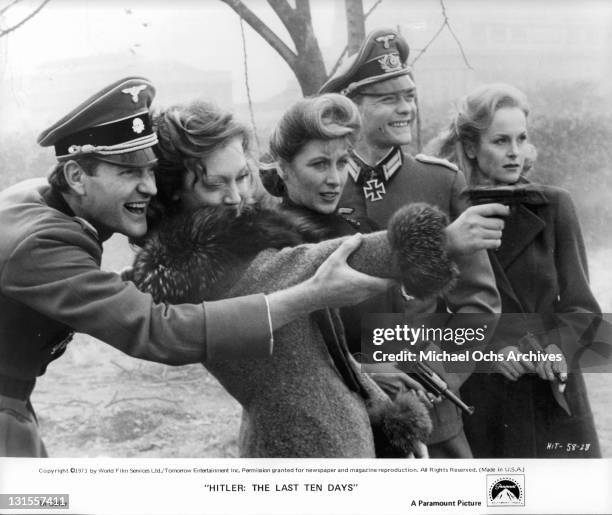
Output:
(334, 284)
(412, 251)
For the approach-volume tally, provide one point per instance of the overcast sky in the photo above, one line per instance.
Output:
(200, 33)
(205, 34)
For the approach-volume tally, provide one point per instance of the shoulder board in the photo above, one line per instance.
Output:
(423, 158)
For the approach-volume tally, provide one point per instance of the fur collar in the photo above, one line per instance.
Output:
(210, 243)
(196, 256)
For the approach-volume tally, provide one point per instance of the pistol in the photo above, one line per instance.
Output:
(433, 383)
(511, 196)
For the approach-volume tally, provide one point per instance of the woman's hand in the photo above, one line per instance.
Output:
(513, 369)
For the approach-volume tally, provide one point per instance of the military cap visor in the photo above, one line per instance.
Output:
(388, 86)
(113, 122)
(138, 159)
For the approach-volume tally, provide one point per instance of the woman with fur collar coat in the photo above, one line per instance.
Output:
(308, 399)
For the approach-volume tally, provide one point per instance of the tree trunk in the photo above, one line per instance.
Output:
(355, 25)
(309, 67)
(310, 72)
(307, 61)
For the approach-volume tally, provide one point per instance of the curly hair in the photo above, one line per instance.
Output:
(324, 117)
(472, 118)
(187, 134)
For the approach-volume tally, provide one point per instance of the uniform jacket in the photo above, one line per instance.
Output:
(437, 182)
(295, 402)
(541, 267)
(51, 285)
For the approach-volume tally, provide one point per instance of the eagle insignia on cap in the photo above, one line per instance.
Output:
(138, 125)
(385, 39)
(134, 91)
(390, 63)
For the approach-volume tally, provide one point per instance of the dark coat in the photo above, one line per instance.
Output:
(437, 182)
(295, 402)
(541, 268)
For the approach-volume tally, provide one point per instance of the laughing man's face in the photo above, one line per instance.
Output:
(116, 199)
(388, 114)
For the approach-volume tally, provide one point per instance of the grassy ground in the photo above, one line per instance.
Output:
(95, 401)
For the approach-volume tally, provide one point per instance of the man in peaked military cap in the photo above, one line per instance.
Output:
(383, 178)
(51, 247)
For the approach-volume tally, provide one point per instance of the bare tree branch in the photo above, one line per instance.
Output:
(263, 30)
(309, 68)
(371, 9)
(465, 59)
(294, 20)
(283, 10)
(445, 23)
(246, 82)
(29, 16)
(339, 60)
(426, 47)
(302, 8)
(7, 7)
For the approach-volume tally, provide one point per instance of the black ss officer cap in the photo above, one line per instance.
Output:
(114, 125)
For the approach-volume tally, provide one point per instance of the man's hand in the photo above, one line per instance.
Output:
(336, 284)
(477, 228)
(393, 381)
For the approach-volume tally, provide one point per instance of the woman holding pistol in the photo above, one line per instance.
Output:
(530, 406)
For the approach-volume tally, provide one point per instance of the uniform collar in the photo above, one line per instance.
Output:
(56, 200)
(389, 164)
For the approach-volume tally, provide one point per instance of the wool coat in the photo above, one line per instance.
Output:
(541, 268)
(295, 403)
